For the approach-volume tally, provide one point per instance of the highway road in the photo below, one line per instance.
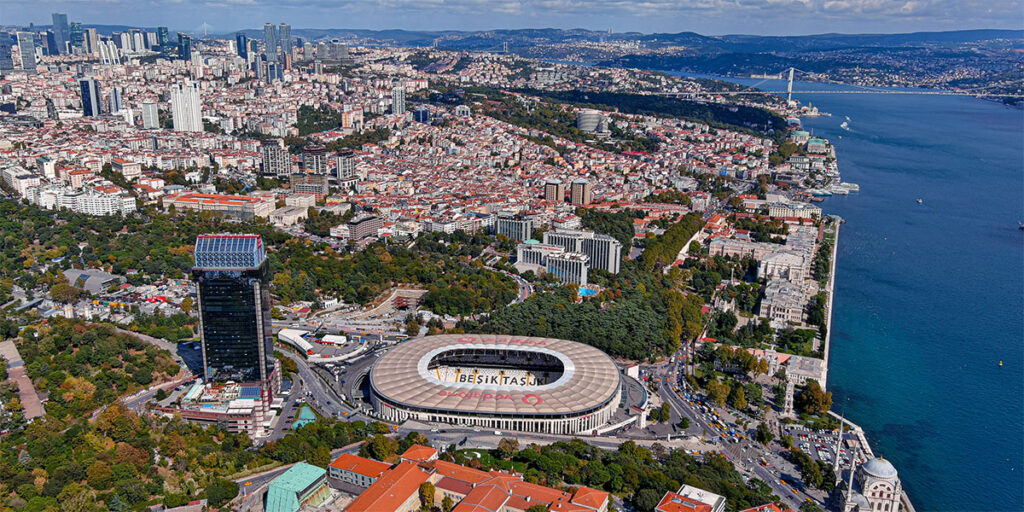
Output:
(744, 454)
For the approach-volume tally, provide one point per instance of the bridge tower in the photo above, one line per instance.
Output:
(789, 86)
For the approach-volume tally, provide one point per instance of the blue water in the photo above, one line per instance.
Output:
(930, 297)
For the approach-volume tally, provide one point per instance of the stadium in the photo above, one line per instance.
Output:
(495, 381)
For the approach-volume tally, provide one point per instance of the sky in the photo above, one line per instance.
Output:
(709, 17)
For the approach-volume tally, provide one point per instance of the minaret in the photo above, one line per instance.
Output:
(849, 483)
(839, 444)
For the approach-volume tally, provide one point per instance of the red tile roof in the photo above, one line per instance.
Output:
(360, 465)
(391, 490)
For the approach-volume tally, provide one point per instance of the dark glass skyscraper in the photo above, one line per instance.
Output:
(242, 45)
(90, 97)
(60, 33)
(164, 40)
(76, 35)
(232, 276)
(184, 46)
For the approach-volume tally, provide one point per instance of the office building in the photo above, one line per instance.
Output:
(345, 164)
(235, 207)
(49, 43)
(27, 51)
(554, 191)
(270, 42)
(242, 45)
(76, 36)
(150, 116)
(535, 253)
(184, 47)
(186, 110)
(163, 39)
(90, 88)
(232, 279)
(314, 158)
(398, 100)
(116, 100)
(60, 33)
(285, 35)
(421, 114)
(604, 252)
(514, 228)
(569, 267)
(276, 159)
(589, 120)
(581, 192)
(6, 62)
(364, 225)
(92, 40)
(306, 183)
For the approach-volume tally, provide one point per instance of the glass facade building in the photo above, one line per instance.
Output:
(232, 277)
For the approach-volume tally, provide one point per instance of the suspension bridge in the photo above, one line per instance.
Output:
(975, 92)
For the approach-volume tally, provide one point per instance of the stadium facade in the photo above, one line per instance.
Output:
(495, 381)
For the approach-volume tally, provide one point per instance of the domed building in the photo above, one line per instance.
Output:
(873, 487)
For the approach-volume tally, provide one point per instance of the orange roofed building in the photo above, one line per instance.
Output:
(238, 207)
(471, 489)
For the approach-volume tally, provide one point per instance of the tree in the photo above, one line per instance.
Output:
(684, 422)
(812, 399)
(321, 456)
(99, 475)
(537, 508)
(221, 491)
(187, 305)
(427, 491)
(647, 499)
(718, 392)
(447, 504)
(76, 498)
(507, 447)
(739, 399)
(764, 434)
(786, 441)
(809, 506)
(63, 292)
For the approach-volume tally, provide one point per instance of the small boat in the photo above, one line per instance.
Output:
(847, 118)
(919, 201)
(1020, 225)
(845, 126)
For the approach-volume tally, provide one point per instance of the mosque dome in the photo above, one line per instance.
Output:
(879, 468)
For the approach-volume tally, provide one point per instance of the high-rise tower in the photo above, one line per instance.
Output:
(60, 32)
(232, 287)
(90, 97)
(186, 110)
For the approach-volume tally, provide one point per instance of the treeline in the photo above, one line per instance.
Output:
(733, 117)
(662, 250)
(618, 225)
(84, 366)
(669, 197)
(638, 316)
(315, 120)
(301, 269)
(557, 119)
(642, 475)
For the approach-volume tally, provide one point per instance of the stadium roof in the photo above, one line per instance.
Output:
(590, 378)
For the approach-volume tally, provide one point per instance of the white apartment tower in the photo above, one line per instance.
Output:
(186, 108)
